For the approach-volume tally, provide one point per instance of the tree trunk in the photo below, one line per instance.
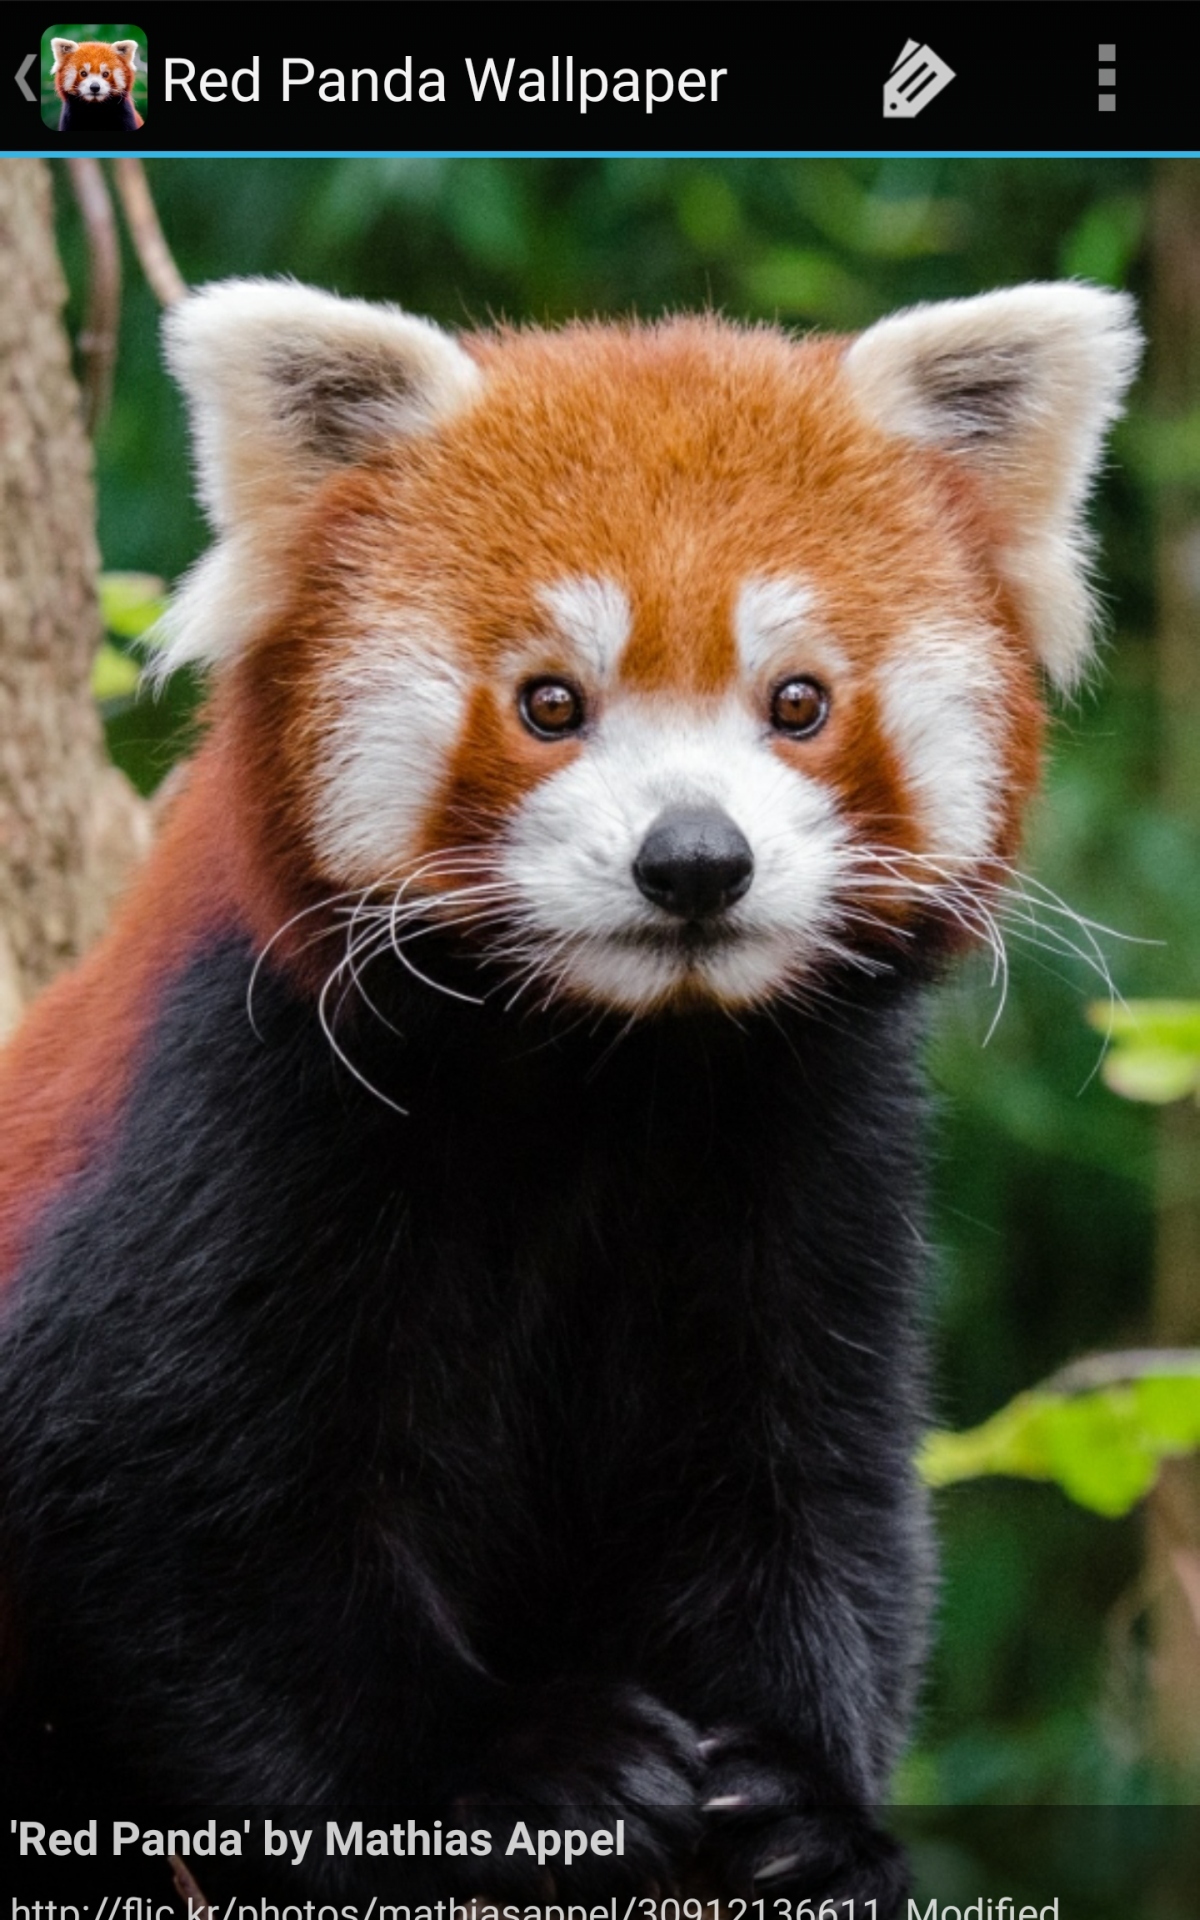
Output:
(70, 824)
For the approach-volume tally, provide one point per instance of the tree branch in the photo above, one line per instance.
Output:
(145, 230)
(1097, 1370)
(97, 343)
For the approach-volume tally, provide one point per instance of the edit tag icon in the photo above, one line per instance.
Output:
(917, 77)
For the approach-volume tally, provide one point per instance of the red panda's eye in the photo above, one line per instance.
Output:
(551, 707)
(799, 707)
(104, 73)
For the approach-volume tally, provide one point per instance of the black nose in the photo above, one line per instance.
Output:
(694, 862)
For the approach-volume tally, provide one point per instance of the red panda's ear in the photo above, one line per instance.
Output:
(128, 50)
(1021, 385)
(60, 49)
(284, 384)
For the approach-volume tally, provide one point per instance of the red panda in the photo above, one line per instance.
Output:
(94, 81)
(461, 1228)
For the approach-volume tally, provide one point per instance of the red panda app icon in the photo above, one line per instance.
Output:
(96, 85)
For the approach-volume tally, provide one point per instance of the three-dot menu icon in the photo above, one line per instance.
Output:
(1108, 76)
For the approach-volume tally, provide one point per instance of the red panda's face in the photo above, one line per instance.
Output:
(662, 661)
(94, 71)
(656, 661)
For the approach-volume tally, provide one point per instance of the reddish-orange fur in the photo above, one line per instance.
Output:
(63, 1077)
(730, 455)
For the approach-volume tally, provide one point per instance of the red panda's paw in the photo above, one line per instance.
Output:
(768, 1835)
(577, 1759)
(834, 1859)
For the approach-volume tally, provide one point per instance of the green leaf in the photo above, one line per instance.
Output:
(114, 675)
(1151, 1073)
(1155, 1050)
(1172, 1023)
(131, 602)
(1102, 1444)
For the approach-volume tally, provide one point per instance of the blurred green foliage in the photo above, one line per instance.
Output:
(1155, 1050)
(130, 603)
(1102, 1443)
(1043, 1183)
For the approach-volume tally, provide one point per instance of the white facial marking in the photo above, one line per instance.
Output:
(777, 625)
(388, 742)
(594, 617)
(571, 846)
(939, 690)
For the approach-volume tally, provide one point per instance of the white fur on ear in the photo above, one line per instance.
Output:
(285, 383)
(128, 50)
(1021, 385)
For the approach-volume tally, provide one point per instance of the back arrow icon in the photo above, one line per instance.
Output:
(22, 82)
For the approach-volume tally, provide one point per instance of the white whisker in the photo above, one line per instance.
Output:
(994, 909)
(260, 958)
(340, 1052)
